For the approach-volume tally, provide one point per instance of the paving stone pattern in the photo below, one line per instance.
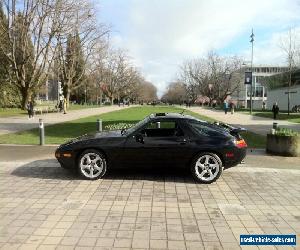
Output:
(43, 206)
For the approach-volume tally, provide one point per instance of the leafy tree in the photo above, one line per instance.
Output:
(9, 95)
(4, 45)
(73, 65)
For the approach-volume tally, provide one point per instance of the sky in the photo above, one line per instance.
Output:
(159, 35)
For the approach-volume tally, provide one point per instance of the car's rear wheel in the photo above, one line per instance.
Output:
(207, 167)
(91, 164)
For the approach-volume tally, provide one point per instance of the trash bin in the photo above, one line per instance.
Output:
(275, 125)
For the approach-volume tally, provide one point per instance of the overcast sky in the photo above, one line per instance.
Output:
(161, 34)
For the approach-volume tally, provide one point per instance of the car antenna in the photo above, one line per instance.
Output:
(182, 111)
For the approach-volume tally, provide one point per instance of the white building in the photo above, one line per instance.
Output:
(259, 91)
(281, 97)
(280, 92)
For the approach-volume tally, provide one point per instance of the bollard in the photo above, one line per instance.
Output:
(158, 124)
(99, 125)
(42, 132)
(275, 125)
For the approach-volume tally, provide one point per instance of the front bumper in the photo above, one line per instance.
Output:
(65, 158)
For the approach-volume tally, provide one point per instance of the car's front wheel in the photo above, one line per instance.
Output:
(207, 168)
(91, 164)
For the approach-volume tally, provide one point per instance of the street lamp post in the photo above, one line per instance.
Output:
(251, 86)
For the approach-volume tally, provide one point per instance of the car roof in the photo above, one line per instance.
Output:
(173, 116)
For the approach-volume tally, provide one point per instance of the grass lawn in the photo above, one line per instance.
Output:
(293, 117)
(85, 106)
(59, 133)
(9, 112)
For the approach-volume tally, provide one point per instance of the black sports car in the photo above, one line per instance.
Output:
(160, 140)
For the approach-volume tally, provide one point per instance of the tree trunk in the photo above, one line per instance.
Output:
(100, 98)
(25, 97)
(68, 97)
(112, 100)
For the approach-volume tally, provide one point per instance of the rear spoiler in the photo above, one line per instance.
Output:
(231, 129)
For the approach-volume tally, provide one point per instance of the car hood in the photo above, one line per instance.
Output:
(98, 135)
(103, 134)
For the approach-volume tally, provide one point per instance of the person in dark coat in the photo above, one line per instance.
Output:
(275, 110)
(225, 106)
(29, 107)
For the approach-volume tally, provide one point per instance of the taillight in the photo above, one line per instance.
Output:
(240, 143)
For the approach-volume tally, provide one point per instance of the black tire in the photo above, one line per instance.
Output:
(206, 167)
(91, 164)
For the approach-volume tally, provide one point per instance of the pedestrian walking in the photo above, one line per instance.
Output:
(231, 106)
(65, 105)
(275, 110)
(225, 106)
(30, 110)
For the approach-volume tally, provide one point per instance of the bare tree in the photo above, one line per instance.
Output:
(77, 44)
(31, 27)
(36, 30)
(213, 76)
(290, 47)
(176, 93)
(115, 74)
(146, 92)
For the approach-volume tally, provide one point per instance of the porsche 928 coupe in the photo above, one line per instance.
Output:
(162, 140)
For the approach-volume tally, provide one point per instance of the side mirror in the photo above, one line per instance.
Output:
(139, 138)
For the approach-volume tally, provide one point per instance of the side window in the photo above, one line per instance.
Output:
(162, 129)
(203, 129)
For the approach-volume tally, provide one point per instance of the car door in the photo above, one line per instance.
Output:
(163, 144)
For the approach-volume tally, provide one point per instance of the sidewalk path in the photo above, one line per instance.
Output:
(258, 125)
(44, 206)
(21, 123)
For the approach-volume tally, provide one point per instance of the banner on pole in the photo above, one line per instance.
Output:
(248, 77)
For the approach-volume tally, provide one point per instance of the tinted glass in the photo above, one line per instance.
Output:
(162, 129)
(137, 126)
(204, 129)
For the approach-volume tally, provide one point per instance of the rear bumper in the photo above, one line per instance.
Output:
(239, 156)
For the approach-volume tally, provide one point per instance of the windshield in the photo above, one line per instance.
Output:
(136, 126)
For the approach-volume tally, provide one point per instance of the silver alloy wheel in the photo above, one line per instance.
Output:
(92, 165)
(207, 168)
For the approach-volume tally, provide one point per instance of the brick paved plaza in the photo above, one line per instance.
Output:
(46, 207)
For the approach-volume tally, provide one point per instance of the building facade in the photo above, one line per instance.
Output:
(280, 96)
(259, 91)
(280, 91)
